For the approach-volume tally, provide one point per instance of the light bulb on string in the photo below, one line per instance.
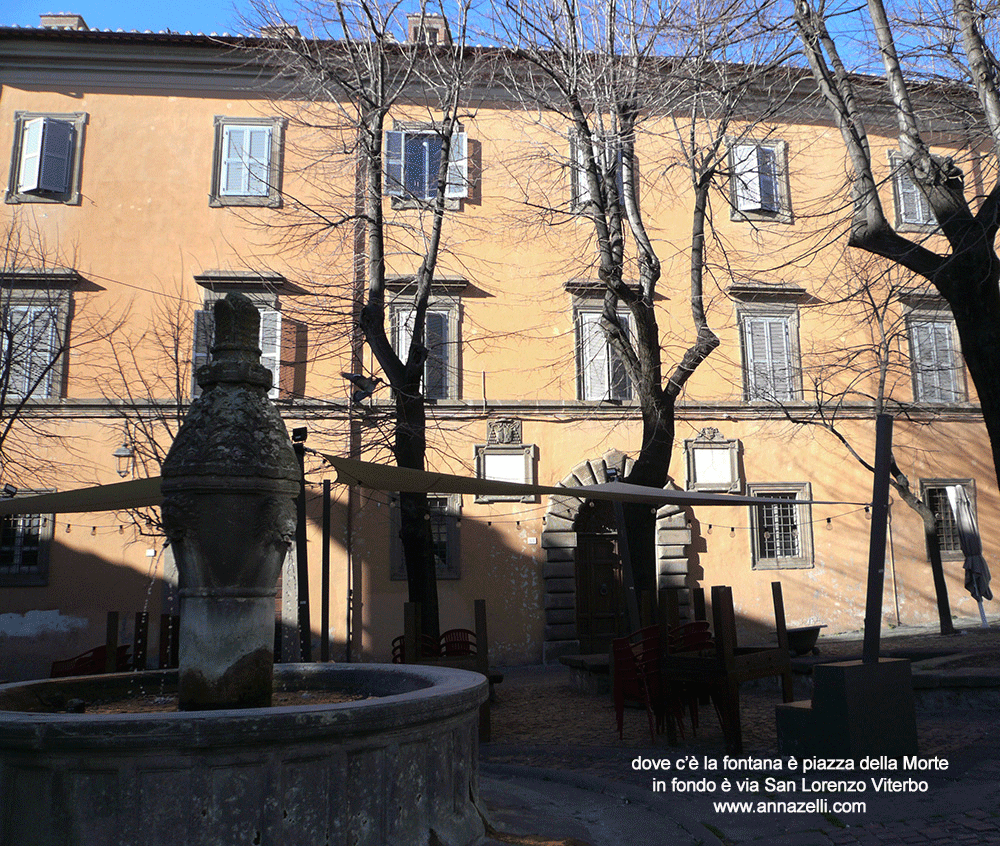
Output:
(829, 524)
(732, 531)
(709, 528)
(868, 512)
(68, 528)
(93, 531)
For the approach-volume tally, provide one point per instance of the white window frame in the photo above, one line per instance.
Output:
(11, 573)
(258, 183)
(936, 361)
(395, 155)
(913, 212)
(446, 518)
(763, 517)
(596, 360)
(759, 189)
(445, 354)
(761, 366)
(269, 338)
(46, 158)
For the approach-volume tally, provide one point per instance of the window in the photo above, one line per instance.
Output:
(413, 159)
(31, 349)
(440, 337)
(24, 547)
(935, 495)
(33, 324)
(46, 159)
(506, 463)
(770, 356)
(247, 163)
(607, 157)
(278, 337)
(601, 373)
(446, 514)
(937, 367)
(781, 533)
(912, 208)
(759, 181)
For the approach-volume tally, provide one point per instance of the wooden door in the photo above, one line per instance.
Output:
(599, 598)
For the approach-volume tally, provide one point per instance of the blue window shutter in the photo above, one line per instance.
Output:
(394, 164)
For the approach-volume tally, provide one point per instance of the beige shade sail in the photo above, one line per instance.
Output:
(140, 493)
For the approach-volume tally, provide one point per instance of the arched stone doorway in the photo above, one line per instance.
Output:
(559, 540)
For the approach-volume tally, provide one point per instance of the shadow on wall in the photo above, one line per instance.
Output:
(68, 616)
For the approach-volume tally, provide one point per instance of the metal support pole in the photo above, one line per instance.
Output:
(324, 614)
(876, 548)
(301, 554)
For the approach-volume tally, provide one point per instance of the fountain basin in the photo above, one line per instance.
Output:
(386, 770)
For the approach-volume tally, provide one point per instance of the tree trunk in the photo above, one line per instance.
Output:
(651, 468)
(415, 526)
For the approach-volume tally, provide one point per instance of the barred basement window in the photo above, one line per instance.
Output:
(935, 495)
(24, 548)
(781, 533)
(445, 514)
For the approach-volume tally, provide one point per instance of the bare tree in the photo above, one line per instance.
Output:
(967, 273)
(37, 303)
(869, 377)
(361, 62)
(151, 394)
(614, 74)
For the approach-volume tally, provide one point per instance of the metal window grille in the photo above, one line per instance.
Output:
(778, 528)
(948, 537)
(438, 506)
(20, 543)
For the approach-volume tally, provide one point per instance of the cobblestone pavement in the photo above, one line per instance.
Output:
(544, 727)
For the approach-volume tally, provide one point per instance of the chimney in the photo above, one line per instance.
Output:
(280, 31)
(427, 29)
(64, 20)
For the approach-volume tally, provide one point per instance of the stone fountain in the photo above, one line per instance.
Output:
(399, 767)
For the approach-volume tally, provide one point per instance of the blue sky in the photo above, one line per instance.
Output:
(178, 15)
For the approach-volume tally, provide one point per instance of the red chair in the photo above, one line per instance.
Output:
(637, 676)
(428, 648)
(457, 643)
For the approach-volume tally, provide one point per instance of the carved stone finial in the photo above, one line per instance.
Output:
(235, 354)
(237, 328)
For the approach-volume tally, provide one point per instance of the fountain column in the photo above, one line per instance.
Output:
(229, 485)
